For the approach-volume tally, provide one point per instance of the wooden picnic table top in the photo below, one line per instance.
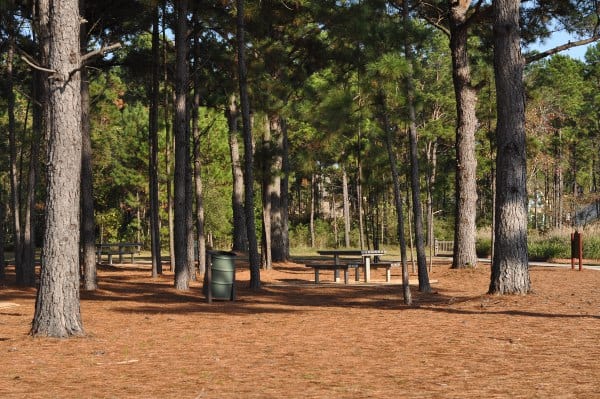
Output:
(351, 252)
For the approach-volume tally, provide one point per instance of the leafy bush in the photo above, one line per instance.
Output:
(483, 247)
(549, 248)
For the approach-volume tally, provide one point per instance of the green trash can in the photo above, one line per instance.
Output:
(219, 279)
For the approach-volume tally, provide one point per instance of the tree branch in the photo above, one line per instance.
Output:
(563, 47)
(100, 51)
(29, 61)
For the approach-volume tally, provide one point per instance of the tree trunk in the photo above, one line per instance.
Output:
(284, 191)
(254, 257)
(199, 217)
(2, 235)
(181, 130)
(510, 272)
(153, 141)
(389, 145)
(431, 175)
(266, 196)
(346, 200)
(312, 210)
(168, 144)
(57, 311)
(424, 285)
(466, 163)
(240, 240)
(14, 178)
(88, 226)
(278, 253)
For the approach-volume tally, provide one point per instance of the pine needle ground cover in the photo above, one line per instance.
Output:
(294, 339)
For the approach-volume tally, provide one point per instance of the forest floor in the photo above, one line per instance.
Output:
(295, 339)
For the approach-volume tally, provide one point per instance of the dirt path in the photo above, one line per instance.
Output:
(297, 340)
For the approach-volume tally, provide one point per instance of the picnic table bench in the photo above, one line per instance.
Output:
(120, 248)
(356, 264)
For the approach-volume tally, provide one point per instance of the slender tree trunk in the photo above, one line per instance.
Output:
(248, 150)
(168, 144)
(240, 240)
(14, 178)
(431, 175)
(510, 271)
(266, 188)
(88, 226)
(198, 194)
(313, 199)
(278, 253)
(285, 184)
(466, 163)
(57, 311)
(424, 285)
(346, 208)
(2, 235)
(153, 141)
(182, 269)
(389, 145)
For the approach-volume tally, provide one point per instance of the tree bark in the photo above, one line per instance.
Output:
(57, 311)
(346, 200)
(240, 237)
(313, 184)
(424, 285)
(182, 270)
(389, 145)
(284, 191)
(510, 272)
(466, 125)
(198, 190)
(253, 255)
(278, 253)
(267, 196)
(168, 144)
(15, 200)
(153, 141)
(88, 226)
(2, 235)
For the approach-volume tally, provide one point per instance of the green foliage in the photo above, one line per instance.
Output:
(549, 248)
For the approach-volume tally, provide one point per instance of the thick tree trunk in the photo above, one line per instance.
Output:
(346, 199)
(466, 163)
(240, 240)
(88, 226)
(253, 255)
(57, 311)
(389, 145)
(182, 269)
(510, 271)
(424, 285)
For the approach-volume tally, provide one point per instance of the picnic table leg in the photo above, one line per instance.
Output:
(336, 272)
(367, 269)
(316, 275)
(388, 274)
(346, 276)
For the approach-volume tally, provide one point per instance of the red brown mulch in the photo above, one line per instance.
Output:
(294, 339)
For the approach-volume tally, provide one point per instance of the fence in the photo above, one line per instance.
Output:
(443, 247)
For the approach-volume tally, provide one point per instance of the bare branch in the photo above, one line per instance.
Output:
(563, 47)
(100, 51)
(25, 57)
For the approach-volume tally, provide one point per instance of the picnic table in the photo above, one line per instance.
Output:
(118, 248)
(365, 261)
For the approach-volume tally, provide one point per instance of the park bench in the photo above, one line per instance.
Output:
(121, 248)
(331, 266)
(378, 265)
